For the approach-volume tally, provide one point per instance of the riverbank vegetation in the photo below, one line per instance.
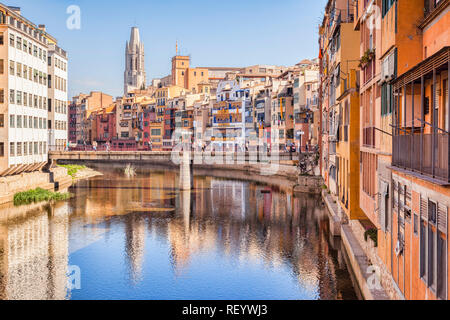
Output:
(39, 195)
(72, 169)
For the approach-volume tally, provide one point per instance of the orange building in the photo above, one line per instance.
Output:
(420, 160)
(405, 117)
(185, 76)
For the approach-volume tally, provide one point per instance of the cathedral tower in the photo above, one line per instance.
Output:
(135, 77)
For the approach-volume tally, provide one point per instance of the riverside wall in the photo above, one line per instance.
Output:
(55, 180)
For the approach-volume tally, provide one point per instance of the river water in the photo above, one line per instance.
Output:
(142, 238)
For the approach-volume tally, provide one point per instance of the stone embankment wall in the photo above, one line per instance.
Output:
(11, 185)
(362, 254)
(371, 252)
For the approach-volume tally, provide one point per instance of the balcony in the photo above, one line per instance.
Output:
(420, 154)
(432, 5)
(422, 149)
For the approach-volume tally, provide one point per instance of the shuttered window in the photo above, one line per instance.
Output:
(433, 245)
(384, 216)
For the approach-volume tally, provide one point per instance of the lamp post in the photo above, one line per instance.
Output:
(299, 136)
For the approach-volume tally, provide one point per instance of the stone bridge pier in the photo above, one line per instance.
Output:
(186, 172)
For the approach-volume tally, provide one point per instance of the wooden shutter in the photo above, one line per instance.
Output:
(383, 195)
(381, 208)
(442, 218)
(395, 187)
(424, 208)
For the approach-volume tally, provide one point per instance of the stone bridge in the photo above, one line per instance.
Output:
(165, 157)
(261, 168)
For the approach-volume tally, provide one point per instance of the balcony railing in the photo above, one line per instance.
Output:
(431, 5)
(421, 154)
(369, 137)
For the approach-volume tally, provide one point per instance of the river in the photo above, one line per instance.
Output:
(142, 238)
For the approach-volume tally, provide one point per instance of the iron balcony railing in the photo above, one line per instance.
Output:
(419, 153)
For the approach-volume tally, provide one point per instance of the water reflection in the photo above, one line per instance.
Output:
(144, 239)
(34, 252)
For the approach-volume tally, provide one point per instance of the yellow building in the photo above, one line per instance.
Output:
(347, 147)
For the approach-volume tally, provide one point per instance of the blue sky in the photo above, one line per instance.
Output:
(215, 33)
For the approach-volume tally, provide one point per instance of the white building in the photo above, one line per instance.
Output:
(229, 115)
(23, 93)
(57, 98)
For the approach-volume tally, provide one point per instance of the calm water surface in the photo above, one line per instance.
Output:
(142, 238)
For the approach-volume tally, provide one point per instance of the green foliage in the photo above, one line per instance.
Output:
(372, 234)
(72, 169)
(39, 195)
(368, 56)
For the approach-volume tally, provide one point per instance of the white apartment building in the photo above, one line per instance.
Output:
(57, 98)
(23, 93)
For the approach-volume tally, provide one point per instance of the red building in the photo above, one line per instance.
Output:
(105, 125)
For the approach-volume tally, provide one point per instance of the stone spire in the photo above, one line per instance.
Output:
(135, 77)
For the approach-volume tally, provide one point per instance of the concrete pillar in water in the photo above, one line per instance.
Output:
(186, 172)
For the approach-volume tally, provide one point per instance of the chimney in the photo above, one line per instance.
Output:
(42, 27)
(16, 10)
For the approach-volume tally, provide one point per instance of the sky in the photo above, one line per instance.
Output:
(232, 33)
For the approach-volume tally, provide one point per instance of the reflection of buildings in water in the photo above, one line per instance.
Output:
(242, 220)
(230, 196)
(34, 253)
(239, 219)
(189, 234)
(135, 234)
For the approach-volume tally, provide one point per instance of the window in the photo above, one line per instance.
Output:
(432, 212)
(19, 122)
(386, 6)
(442, 266)
(19, 98)
(25, 148)
(387, 99)
(12, 121)
(2, 96)
(2, 149)
(416, 225)
(433, 248)
(19, 149)
(12, 68)
(11, 40)
(1, 39)
(2, 120)
(12, 149)
(25, 121)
